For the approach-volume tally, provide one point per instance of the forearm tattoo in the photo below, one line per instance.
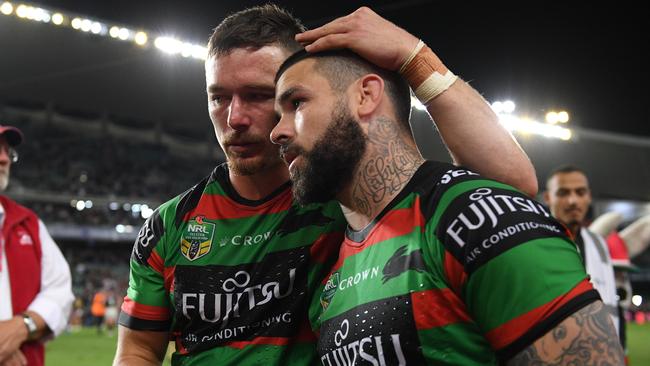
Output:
(391, 168)
(587, 337)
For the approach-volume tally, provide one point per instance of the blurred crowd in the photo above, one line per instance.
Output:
(56, 161)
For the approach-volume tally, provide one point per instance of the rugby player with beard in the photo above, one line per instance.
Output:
(438, 264)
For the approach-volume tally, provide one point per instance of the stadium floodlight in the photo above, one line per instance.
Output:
(552, 117)
(508, 106)
(88, 204)
(168, 45)
(76, 23)
(119, 228)
(637, 300)
(146, 213)
(22, 11)
(96, 27)
(187, 49)
(140, 38)
(563, 117)
(124, 34)
(113, 206)
(497, 107)
(529, 126)
(199, 52)
(86, 25)
(7, 8)
(57, 18)
(114, 32)
(81, 205)
(40, 15)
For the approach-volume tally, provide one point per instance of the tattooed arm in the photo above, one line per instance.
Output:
(587, 337)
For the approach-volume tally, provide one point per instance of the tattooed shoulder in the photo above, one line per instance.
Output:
(587, 337)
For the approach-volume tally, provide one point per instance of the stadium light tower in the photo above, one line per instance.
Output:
(554, 117)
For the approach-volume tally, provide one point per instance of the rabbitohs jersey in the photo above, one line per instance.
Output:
(457, 270)
(232, 279)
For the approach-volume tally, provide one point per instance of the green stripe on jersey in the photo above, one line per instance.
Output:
(562, 272)
(364, 277)
(456, 344)
(140, 286)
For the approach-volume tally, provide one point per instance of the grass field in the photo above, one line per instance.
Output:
(87, 348)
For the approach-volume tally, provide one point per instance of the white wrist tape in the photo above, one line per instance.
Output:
(426, 74)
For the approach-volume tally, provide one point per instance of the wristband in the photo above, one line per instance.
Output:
(426, 74)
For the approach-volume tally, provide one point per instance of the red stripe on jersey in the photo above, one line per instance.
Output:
(218, 207)
(437, 308)
(168, 274)
(270, 341)
(395, 223)
(454, 272)
(146, 312)
(156, 262)
(507, 333)
(326, 246)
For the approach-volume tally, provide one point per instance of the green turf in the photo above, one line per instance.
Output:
(83, 348)
(638, 341)
(86, 347)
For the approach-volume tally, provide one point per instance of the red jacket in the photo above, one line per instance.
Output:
(23, 250)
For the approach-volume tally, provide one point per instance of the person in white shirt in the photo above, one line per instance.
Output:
(35, 284)
(568, 196)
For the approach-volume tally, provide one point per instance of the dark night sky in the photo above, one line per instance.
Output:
(591, 60)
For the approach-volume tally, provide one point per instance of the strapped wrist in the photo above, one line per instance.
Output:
(426, 74)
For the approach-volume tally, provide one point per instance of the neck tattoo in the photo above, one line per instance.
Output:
(388, 170)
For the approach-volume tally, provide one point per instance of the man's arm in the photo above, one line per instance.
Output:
(51, 308)
(587, 337)
(467, 124)
(140, 347)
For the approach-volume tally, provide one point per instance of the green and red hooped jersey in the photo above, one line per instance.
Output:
(457, 270)
(233, 280)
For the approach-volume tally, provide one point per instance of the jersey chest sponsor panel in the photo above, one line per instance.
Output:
(254, 283)
(242, 275)
(390, 300)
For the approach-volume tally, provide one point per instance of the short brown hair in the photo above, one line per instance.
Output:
(255, 28)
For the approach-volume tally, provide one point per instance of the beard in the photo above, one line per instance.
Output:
(331, 163)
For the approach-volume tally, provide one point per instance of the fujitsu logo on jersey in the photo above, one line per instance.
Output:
(238, 294)
(371, 349)
(486, 208)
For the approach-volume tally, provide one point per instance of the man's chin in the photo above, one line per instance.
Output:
(254, 165)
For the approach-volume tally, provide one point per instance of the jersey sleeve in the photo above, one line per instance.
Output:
(146, 305)
(512, 264)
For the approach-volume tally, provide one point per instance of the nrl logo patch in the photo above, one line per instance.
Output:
(330, 289)
(196, 240)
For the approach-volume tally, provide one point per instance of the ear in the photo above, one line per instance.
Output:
(369, 94)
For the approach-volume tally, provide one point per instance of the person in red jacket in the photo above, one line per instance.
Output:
(35, 285)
